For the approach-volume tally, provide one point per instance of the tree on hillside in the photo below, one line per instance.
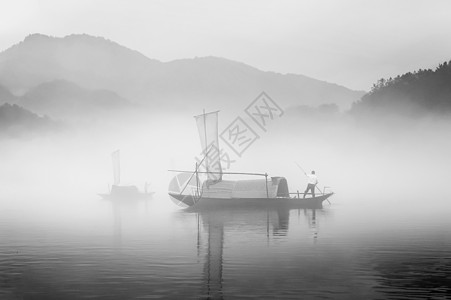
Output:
(423, 91)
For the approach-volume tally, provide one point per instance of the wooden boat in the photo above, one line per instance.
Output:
(285, 202)
(125, 192)
(272, 192)
(188, 189)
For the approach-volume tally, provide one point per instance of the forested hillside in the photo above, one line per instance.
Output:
(412, 94)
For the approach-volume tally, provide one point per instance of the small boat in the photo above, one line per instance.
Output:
(269, 192)
(206, 187)
(130, 192)
(126, 192)
(282, 202)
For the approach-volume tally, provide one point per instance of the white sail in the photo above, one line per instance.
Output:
(207, 125)
(115, 156)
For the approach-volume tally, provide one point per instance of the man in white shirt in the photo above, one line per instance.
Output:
(312, 181)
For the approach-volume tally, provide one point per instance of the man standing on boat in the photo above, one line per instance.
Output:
(312, 181)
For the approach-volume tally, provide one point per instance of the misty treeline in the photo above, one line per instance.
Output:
(411, 94)
(15, 121)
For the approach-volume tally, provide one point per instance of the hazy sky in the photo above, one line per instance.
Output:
(348, 42)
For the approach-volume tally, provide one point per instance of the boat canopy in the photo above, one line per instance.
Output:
(124, 190)
(258, 188)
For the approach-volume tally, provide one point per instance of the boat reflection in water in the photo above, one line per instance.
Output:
(124, 208)
(242, 204)
(226, 226)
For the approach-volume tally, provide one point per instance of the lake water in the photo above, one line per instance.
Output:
(84, 247)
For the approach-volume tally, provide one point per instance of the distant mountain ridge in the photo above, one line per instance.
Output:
(16, 121)
(82, 59)
(5, 95)
(97, 63)
(64, 99)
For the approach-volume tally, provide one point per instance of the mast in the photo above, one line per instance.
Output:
(115, 156)
(206, 141)
(197, 182)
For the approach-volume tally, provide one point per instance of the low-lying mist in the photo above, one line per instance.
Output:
(403, 162)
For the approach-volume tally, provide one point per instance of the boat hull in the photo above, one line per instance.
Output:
(282, 202)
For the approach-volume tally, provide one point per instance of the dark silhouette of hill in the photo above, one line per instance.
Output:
(210, 82)
(91, 62)
(16, 121)
(5, 95)
(221, 81)
(61, 99)
(412, 94)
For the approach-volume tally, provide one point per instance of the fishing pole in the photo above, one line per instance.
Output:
(301, 168)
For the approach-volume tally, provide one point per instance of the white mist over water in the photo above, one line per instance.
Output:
(391, 196)
(399, 164)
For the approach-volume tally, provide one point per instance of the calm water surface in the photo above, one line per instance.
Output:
(85, 247)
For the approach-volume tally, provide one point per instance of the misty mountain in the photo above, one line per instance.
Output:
(15, 120)
(307, 111)
(412, 94)
(228, 83)
(5, 95)
(62, 99)
(91, 62)
(210, 82)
